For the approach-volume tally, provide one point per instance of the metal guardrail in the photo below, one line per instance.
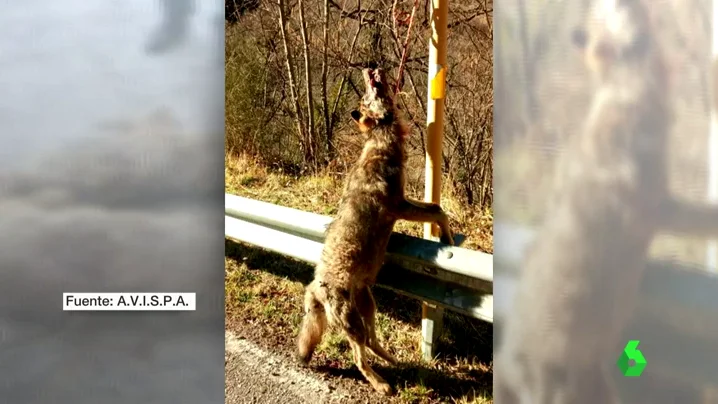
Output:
(678, 310)
(452, 277)
(676, 320)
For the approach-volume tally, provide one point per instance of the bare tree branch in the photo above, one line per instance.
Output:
(290, 71)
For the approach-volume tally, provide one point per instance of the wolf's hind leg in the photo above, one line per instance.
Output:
(348, 315)
(313, 325)
(367, 307)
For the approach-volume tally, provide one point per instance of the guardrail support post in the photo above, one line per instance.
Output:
(432, 316)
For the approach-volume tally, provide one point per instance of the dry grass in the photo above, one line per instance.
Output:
(264, 298)
(320, 194)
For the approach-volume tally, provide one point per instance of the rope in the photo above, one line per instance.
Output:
(405, 52)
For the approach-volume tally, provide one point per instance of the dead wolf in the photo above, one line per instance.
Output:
(372, 201)
(581, 276)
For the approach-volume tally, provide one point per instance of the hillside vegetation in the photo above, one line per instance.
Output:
(289, 91)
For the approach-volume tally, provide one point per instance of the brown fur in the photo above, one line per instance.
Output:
(584, 270)
(373, 200)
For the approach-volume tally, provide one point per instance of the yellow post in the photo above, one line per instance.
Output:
(432, 316)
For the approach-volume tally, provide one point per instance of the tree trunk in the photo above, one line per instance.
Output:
(290, 71)
(325, 102)
(310, 155)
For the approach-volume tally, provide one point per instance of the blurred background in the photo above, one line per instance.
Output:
(543, 93)
(69, 67)
(111, 153)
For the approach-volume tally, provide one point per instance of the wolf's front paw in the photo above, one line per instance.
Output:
(447, 239)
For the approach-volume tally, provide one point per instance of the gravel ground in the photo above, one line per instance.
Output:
(254, 375)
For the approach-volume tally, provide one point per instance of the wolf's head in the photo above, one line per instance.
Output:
(376, 107)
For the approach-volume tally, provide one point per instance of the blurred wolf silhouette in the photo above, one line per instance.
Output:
(174, 27)
(581, 276)
(372, 201)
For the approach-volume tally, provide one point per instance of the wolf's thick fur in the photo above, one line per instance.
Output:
(372, 201)
(582, 275)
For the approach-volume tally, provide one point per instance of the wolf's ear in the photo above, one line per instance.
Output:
(365, 123)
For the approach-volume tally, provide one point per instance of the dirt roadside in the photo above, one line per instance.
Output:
(253, 375)
(256, 375)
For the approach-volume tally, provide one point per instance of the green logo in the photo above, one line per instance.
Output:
(632, 361)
